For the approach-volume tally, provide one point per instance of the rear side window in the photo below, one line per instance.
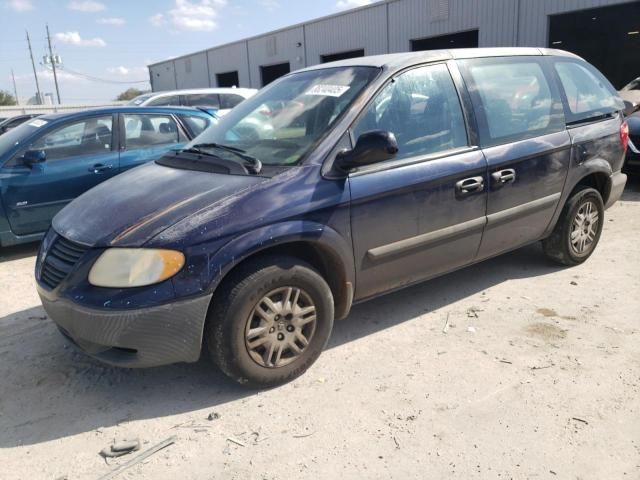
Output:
(587, 92)
(421, 108)
(229, 100)
(143, 130)
(513, 99)
(202, 100)
(165, 101)
(196, 125)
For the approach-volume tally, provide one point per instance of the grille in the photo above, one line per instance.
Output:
(60, 260)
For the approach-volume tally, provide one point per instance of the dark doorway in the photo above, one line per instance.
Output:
(342, 56)
(227, 79)
(272, 72)
(607, 37)
(468, 39)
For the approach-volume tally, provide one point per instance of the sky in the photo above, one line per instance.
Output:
(105, 45)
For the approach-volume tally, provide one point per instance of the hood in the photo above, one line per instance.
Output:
(133, 207)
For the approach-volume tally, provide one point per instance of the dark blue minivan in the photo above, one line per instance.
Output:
(48, 161)
(333, 185)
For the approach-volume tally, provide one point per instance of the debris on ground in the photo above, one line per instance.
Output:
(236, 441)
(143, 456)
(471, 329)
(472, 312)
(120, 448)
(580, 420)
(445, 329)
(213, 416)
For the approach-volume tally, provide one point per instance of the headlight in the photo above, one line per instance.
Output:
(134, 267)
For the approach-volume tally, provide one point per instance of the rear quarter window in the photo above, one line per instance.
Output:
(587, 92)
(513, 99)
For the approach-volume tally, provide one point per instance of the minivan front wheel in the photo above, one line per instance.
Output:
(269, 321)
(578, 230)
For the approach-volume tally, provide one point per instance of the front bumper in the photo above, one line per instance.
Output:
(145, 337)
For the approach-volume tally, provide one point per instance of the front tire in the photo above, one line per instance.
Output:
(578, 230)
(269, 321)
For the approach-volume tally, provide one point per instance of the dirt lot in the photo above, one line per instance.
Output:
(537, 376)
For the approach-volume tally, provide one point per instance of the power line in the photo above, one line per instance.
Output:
(98, 79)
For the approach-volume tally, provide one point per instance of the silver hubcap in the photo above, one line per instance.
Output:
(584, 228)
(280, 327)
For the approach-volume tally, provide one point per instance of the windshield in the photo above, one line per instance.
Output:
(139, 99)
(15, 136)
(284, 120)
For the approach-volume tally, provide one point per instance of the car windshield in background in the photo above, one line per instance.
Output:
(283, 121)
(139, 99)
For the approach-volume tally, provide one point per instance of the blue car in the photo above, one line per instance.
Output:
(330, 186)
(48, 161)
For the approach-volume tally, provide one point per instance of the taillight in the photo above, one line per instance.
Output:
(624, 135)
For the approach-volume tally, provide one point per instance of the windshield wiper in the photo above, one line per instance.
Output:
(253, 164)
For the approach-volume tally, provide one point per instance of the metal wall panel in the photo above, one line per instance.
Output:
(229, 58)
(361, 29)
(278, 47)
(191, 71)
(533, 19)
(163, 76)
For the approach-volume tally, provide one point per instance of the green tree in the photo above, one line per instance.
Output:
(129, 94)
(7, 99)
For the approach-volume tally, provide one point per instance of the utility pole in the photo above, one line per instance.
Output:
(35, 74)
(15, 89)
(53, 65)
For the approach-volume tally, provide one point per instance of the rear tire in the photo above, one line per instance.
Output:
(269, 321)
(578, 229)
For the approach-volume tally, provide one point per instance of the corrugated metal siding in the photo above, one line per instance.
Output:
(365, 29)
(500, 23)
(534, 20)
(163, 76)
(230, 58)
(191, 71)
(276, 48)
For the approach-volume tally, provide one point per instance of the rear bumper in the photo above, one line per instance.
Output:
(146, 337)
(617, 182)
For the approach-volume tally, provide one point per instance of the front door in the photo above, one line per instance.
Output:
(423, 212)
(79, 155)
(526, 144)
(147, 136)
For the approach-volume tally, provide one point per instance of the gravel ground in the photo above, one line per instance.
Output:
(536, 376)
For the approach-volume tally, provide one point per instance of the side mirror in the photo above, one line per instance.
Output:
(32, 157)
(630, 107)
(371, 147)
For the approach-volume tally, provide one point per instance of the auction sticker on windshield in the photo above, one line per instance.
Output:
(327, 90)
(37, 123)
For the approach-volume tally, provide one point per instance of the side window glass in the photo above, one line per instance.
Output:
(422, 109)
(229, 100)
(196, 125)
(165, 101)
(586, 94)
(202, 100)
(515, 98)
(86, 137)
(142, 130)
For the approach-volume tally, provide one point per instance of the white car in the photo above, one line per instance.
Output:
(221, 99)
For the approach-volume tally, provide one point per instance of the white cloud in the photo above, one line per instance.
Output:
(119, 70)
(116, 21)
(74, 38)
(86, 6)
(157, 20)
(346, 4)
(20, 5)
(194, 15)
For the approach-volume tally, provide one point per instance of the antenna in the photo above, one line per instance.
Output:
(35, 74)
(53, 65)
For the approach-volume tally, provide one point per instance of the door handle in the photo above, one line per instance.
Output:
(504, 176)
(470, 185)
(100, 168)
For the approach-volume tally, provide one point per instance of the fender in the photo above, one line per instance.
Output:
(335, 250)
(574, 177)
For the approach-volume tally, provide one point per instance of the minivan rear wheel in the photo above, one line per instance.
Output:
(578, 229)
(269, 321)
